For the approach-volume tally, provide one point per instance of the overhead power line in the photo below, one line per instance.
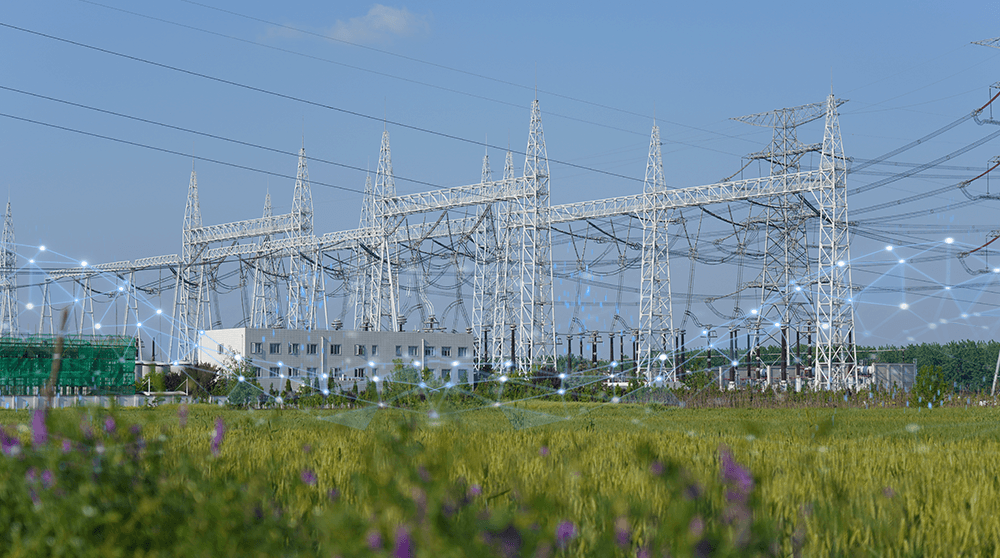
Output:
(304, 101)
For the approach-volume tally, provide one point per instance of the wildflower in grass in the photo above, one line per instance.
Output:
(696, 527)
(374, 540)
(135, 429)
(543, 451)
(656, 468)
(9, 444)
(308, 477)
(67, 446)
(404, 545)
(182, 415)
(507, 542)
(109, 425)
(733, 474)
(38, 429)
(623, 535)
(220, 431)
(565, 532)
(475, 490)
(48, 478)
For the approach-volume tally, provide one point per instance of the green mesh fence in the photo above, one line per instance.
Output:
(91, 365)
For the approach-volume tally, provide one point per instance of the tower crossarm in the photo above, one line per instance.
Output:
(116, 267)
(768, 154)
(238, 230)
(451, 198)
(688, 197)
(994, 42)
(793, 116)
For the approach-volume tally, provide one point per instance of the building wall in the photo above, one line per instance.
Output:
(310, 357)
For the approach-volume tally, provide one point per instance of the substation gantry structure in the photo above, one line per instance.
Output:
(509, 222)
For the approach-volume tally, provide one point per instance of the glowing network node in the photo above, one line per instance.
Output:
(704, 332)
(615, 399)
(326, 392)
(158, 311)
(375, 379)
(902, 261)
(735, 363)
(31, 261)
(241, 378)
(449, 385)
(840, 263)
(423, 385)
(29, 306)
(904, 306)
(503, 379)
(323, 376)
(97, 326)
(120, 289)
(371, 364)
(949, 240)
(776, 324)
(996, 270)
(455, 363)
(562, 375)
(41, 248)
(416, 363)
(279, 400)
(659, 378)
(138, 324)
(753, 311)
(662, 357)
(280, 363)
(508, 364)
(282, 375)
(888, 248)
(561, 391)
(796, 288)
(83, 263)
(947, 288)
(614, 363)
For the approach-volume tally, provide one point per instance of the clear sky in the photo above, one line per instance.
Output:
(470, 70)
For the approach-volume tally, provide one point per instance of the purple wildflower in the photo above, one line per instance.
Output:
(308, 477)
(696, 527)
(475, 490)
(623, 534)
(48, 479)
(404, 545)
(67, 446)
(543, 451)
(220, 431)
(109, 424)
(41, 433)
(182, 415)
(656, 468)
(9, 444)
(135, 429)
(31, 475)
(374, 540)
(306, 449)
(734, 474)
(564, 532)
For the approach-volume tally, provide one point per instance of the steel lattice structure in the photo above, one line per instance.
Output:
(510, 223)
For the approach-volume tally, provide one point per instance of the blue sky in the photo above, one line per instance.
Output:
(470, 70)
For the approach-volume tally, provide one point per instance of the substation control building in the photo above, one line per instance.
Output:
(91, 365)
(318, 358)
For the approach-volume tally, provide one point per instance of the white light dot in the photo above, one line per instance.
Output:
(904, 306)
(120, 289)
(840, 263)
(932, 326)
(282, 376)
(159, 311)
(138, 324)
(776, 324)
(278, 400)
(29, 306)
(704, 332)
(996, 270)
(241, 378)
(662, 357)
(416, 363)
(614, 363)
(326, 392)
(754, 311)
(736, 363)
(41, 248)
(947, 288)
(371, 364)
(454, 363)
(503, 379)
(561, 391)
(888, 248)
(798, 288)
(508, 364)
(323, 376)
(949, 240)
(83, 263)
(562, 376)
(375, 379)
(659, 378)
(902, 261)
(31, 261)
(280, 363)
(97, 326)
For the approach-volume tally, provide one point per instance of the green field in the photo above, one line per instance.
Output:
(609, 480)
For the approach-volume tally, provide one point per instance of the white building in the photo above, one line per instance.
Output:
(313, 357)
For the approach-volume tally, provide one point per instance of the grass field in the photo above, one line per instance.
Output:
(610, 480)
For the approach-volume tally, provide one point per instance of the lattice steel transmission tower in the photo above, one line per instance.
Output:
(305, 277)
(503, 321)
(656, 321)
(265, 309)
(383, 310)
(835, 351)
(191, 290)
(532, 243)
(364, 261)
(486, 270)
(785, 279)
(8, 277)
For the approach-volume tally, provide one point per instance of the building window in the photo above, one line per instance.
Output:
(275, 348)
(275, 371)
(256, 348)
(413, 350)
(311, 349)
(359, 372)
(222, 349)
(293, 372)
(445, 351)
(311, 371)
(334, 349)
(463, 376)
(463, 351)
(399, 350)
(293, 348)
(428, 351)
(338, 373)
(359, 350)
(374, 350)
(446, 375)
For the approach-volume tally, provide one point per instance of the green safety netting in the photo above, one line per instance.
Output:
(91, 365)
